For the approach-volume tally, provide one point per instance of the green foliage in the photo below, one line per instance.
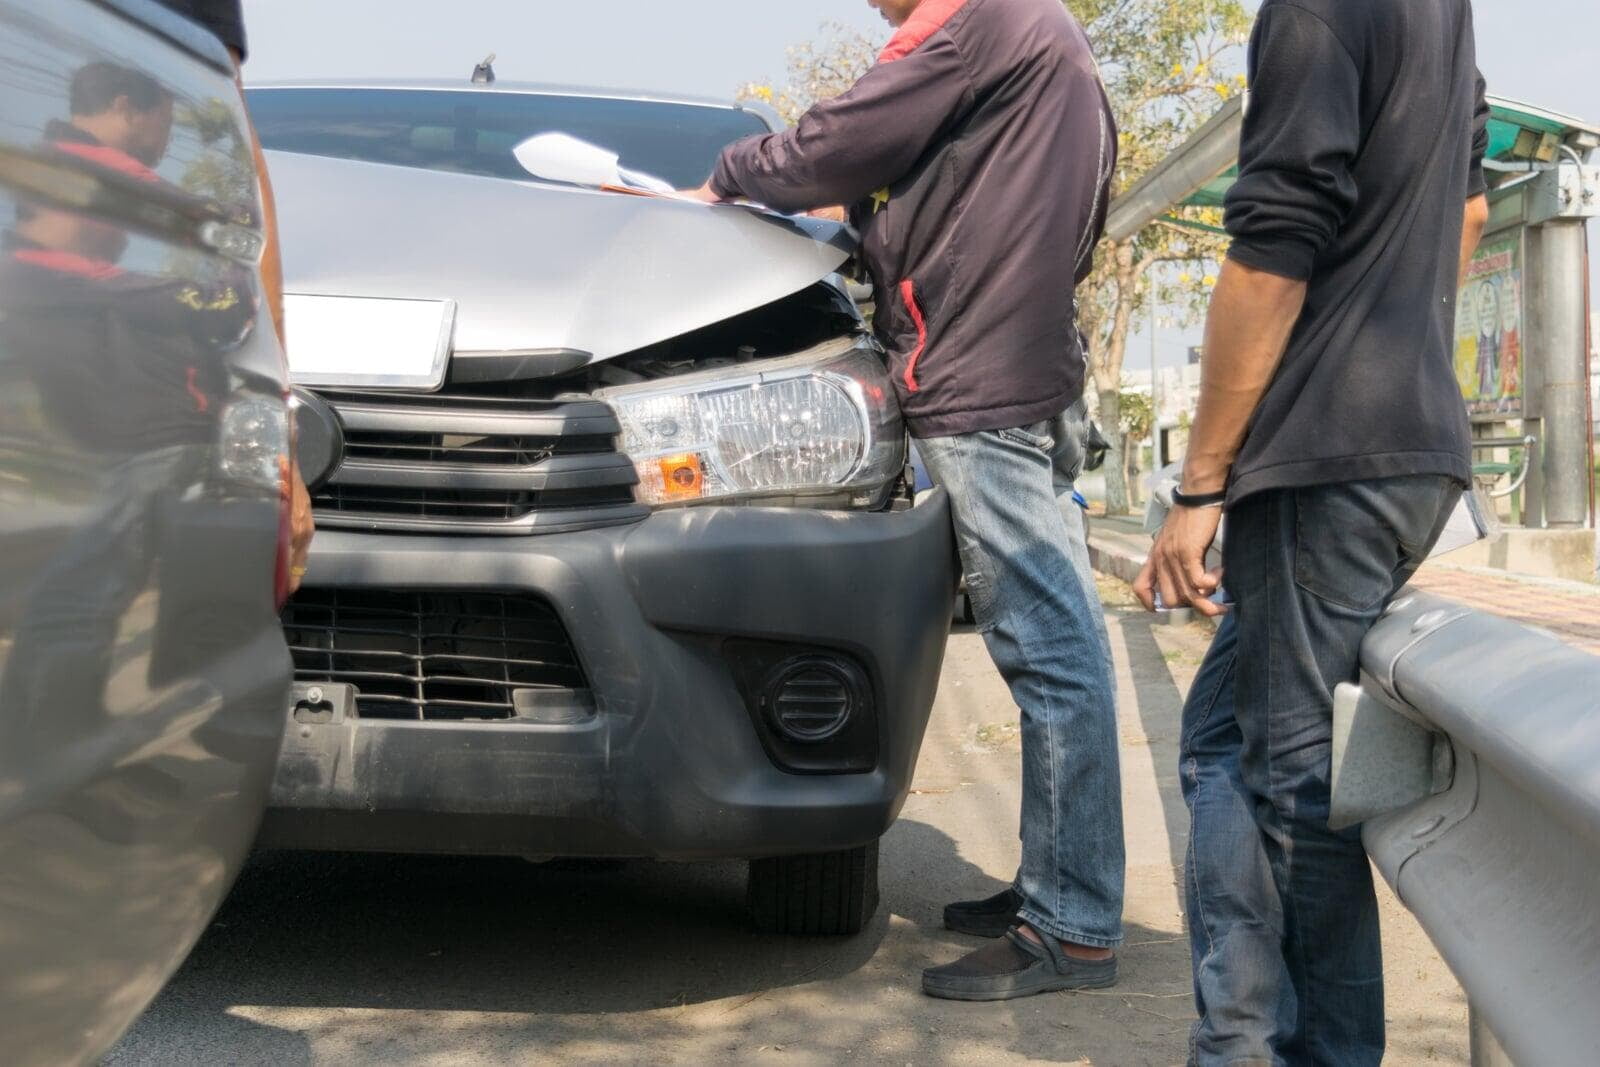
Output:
(1135, 413)
(1167, 67)
(227, 175)
(224, 174)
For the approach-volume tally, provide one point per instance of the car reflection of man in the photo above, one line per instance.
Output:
(225, 18)
(976, 158)
(115, 113)
(102, 347)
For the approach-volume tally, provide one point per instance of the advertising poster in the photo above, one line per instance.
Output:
(1489, 329)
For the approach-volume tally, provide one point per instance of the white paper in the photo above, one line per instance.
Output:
(560, 157)
(373, 342)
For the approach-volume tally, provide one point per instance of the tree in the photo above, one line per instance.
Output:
(224, 174)
(1167, 66)
(1136, 414)
(818, 70)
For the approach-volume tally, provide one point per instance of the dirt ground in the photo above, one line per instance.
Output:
(423, 960)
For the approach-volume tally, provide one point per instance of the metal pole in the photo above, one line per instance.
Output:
(1556, 335)
(1155, 391)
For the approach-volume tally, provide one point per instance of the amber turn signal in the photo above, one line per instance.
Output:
(682, 477)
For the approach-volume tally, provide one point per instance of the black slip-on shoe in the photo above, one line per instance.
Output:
(1016, 967)
(989, 917)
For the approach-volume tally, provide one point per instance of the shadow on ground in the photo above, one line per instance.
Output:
(424, 959)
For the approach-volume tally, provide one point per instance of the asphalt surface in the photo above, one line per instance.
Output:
(348, 959)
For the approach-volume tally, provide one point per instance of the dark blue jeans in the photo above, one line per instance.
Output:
(1283, 923)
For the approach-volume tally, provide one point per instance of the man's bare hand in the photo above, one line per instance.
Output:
(301, 527)
(702, 194)
(1176, 566)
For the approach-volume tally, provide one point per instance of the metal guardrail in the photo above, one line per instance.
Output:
(1471, 752)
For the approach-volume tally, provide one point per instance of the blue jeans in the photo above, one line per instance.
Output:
(1283, 923)
(1022, 547)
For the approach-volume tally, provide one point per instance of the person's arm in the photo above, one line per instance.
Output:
(1294, 192)
(845, 148)
(1476, 216)
(1252, 314)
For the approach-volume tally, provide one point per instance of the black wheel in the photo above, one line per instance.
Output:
(826, 893)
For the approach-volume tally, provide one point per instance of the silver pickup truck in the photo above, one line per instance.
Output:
(630, 568)
(143, 524)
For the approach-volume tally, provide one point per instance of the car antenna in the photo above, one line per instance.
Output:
(483, 73)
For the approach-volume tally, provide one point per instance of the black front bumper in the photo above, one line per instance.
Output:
(670, 761)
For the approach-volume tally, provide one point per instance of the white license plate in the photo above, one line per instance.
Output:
(368, 342)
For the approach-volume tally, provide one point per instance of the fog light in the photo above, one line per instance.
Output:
(810, 698)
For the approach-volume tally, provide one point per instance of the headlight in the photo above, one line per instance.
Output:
(822, 427)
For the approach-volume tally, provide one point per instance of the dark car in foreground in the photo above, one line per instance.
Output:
(143, 513)
(631, 569)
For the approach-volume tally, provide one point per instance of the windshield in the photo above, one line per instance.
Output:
(473, 132)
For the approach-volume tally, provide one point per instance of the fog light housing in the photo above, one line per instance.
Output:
(810, 699)
(814, 708)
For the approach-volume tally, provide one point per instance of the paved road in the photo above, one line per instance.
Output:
(396, 960)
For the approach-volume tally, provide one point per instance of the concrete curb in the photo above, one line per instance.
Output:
(1114, 560)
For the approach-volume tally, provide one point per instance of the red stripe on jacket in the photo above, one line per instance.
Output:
(67, 263)
(110, 158)
(928, 19)
(908, 293)
(201, 402)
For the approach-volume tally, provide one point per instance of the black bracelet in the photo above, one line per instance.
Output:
(1199, 500)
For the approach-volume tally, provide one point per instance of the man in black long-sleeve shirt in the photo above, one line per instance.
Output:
(1332, 429)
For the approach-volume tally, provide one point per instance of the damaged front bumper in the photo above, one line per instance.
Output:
(755, 682)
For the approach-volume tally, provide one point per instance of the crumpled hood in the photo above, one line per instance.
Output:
(535, 266)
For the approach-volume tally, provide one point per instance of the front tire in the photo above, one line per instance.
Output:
(823, 894)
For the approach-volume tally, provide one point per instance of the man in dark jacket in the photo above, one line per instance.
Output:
(976, 159)
(1332, 429)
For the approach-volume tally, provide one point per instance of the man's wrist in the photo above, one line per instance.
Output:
(1202, 475)
(1199, 500)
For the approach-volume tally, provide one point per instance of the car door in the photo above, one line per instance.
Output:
(143, 515)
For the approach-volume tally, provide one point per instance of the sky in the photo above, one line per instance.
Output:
(1544, 52)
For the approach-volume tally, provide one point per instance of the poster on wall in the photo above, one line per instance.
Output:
(1489, 329)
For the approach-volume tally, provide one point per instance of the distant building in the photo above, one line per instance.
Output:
(1177, 392)
(1194, 355)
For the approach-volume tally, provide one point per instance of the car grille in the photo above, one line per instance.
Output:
(414, 655)
(476, 464)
